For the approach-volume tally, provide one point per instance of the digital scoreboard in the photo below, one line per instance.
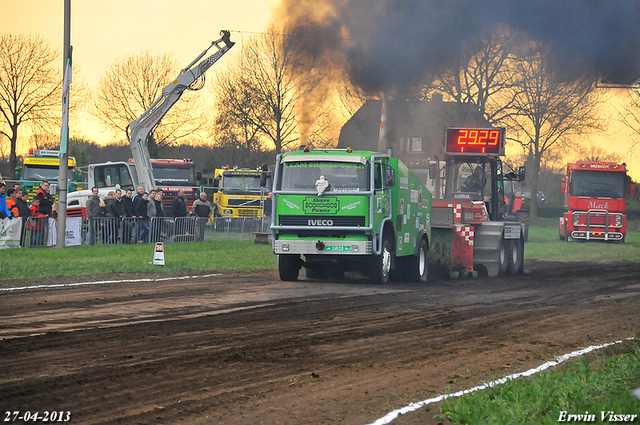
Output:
(474, 141)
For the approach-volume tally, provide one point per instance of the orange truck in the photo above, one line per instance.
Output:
(595, 197)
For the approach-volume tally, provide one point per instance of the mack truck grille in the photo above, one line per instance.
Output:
(322, 221)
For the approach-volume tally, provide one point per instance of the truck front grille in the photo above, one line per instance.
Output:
(243, 202)
(322, 221)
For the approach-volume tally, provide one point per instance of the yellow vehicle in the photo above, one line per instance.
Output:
(238, 193)
(41, 165)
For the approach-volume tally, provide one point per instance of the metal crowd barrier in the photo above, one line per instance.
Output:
(36, 232)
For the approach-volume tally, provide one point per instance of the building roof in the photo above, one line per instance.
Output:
(415, 130)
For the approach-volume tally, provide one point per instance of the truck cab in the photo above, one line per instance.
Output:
(595, 196)
(41, 165)
(338, 210)
(241, 192)
(472, 223)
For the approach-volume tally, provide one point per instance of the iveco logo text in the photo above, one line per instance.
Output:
(320, 222)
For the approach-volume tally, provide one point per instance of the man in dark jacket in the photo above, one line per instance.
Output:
(93, 214)
(45, 198)
(22, 205)
(112, 211)
(179, 205)
(141, 212)
(129, 216)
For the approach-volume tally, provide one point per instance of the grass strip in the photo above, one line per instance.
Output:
(592, 385)
(40, 263)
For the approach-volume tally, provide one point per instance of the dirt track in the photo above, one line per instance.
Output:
(245, 348)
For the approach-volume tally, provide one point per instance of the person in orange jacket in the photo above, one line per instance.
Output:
(11, 202)
(36, 224)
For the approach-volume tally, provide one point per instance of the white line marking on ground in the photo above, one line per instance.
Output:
(101, 282)
(415, 406)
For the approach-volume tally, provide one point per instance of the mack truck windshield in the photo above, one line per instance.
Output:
(345, 210)
(595, 195)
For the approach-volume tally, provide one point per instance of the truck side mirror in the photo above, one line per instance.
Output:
(263, 175)
(521, 173)
(79, 176)
(563, 186)
(199, 175)
(631, 190)
(433, 171)
(18, 173)
(389, 177)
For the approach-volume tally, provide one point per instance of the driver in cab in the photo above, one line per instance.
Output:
(473, 183)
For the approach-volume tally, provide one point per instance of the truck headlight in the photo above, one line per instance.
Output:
(576, 219)
(618, 219)
(227, 212)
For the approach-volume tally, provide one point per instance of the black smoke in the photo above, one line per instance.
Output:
(390, 43)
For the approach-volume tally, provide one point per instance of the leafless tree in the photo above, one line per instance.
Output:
(630, 115)
(271, 95)
(131, 85)
(484, 75)
(549, 109)
(30, 86)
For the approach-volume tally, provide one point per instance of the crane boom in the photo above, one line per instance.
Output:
(140, 129)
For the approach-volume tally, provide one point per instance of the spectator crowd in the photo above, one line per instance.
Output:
(116, 218)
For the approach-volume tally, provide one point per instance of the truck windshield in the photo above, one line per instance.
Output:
(44, 172)
(597, 184)
(236, 183)
(341, 176)
(468, 181)
(169, 174)
(111, 175)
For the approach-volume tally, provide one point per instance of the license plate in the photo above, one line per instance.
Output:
(338, 248)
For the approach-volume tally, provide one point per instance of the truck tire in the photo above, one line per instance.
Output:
(418, 270)
(515, 264)
(289, 267)
(568, 237)
(381, 264)
(522, 216)
(503, 257)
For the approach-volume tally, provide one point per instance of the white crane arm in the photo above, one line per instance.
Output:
(140, 129)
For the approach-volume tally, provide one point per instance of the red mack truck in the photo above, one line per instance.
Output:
(595, 195)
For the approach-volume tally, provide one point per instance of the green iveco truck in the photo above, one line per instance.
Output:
(338, 210)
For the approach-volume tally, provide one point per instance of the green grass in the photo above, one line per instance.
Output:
(545, 245)
(38, 263)
(31, 263)
(593, 384)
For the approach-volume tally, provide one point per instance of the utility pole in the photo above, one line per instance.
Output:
(63, 180)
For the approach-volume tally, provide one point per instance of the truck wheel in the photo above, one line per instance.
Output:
(381, 264)
(515, 265)
(522, 216)
(419, 267)
(568, 237)
(289, 267)
(503, 258)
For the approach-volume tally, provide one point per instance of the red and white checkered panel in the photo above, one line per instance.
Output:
(465, 232)
(457, 212)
